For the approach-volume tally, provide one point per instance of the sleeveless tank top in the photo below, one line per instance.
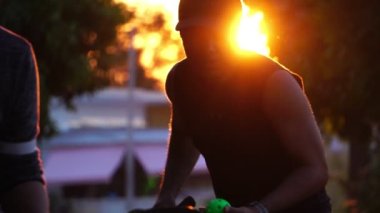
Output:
(221, 108)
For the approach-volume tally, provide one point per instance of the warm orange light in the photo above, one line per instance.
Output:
(159, 43)
(251, 35)
(161, 46)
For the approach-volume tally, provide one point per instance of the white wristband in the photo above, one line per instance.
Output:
(20, 148)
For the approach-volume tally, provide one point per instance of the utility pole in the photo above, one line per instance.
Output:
(129, 149)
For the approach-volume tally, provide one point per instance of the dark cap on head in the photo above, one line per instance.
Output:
(207, 12)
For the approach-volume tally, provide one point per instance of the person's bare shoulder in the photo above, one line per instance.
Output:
(169, 83)
(284, 97)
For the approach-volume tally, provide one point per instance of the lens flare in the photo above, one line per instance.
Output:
(160, 45)
(251, 35)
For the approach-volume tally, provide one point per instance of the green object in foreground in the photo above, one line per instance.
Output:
(217, 205)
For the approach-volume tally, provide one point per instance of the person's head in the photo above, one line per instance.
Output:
(205, 25)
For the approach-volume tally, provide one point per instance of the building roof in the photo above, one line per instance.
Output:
(94, 136)
(87, 165)
(107, 108)
(98, 164)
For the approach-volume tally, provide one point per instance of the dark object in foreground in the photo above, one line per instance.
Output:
(186, 206)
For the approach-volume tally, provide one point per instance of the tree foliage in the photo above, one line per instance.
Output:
(74, 43)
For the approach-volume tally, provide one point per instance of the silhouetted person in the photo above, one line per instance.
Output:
(247, 115)
(22, 186)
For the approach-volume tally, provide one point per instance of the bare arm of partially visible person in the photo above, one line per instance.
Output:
(287, 106)
(23, 187)
(30, 196)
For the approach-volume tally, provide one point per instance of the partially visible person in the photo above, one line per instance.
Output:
(22, 185)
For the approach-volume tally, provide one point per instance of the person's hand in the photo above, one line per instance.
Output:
(168, 203)
(243, 209)
(156, 207)
(187, 202)
(160, 204)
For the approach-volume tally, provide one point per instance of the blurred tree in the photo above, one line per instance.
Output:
(74, 41)
(335, 46)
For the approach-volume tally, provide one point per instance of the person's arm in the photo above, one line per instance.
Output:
(288, 107)
(182, 156)
(291, 115)
(29, 197)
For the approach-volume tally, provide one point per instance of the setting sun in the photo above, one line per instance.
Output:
(160, 45)
(251, 35)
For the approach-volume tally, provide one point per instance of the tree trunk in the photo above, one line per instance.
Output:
(359, 159)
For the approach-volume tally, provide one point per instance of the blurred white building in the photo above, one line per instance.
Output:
(84, 164)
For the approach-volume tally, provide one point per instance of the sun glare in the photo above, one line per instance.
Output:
(160, 45)
(251, 35)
